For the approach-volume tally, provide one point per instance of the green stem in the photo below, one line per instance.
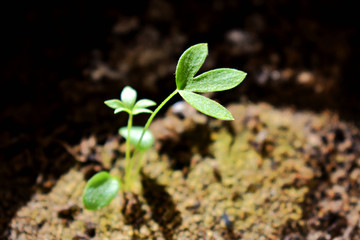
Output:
(127, 154)
(128, 164)
(152, 117)
(154, 114)
(139, 163)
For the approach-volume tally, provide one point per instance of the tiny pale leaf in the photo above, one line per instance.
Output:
(114, 103)
(121, 109)
(135, 134)
(144, 103)
(128, 97)
(141, 110)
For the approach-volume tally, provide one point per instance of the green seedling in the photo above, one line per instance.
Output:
(102, 187)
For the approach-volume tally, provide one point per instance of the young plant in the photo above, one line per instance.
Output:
(102, 187)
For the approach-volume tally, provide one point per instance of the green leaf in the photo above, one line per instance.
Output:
(141, 110)
(206, 105)
(114, 103)
(189, 64)
(128, 97)
(121, 110)
(135, 134)
(215, 80)
(100, 190)
(144, 103)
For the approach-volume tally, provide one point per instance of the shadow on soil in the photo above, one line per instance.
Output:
(163, 208)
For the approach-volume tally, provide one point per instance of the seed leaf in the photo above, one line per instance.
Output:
(100, 190)
(135, 134)
(206, 105)
(128, 97)
(189, 64)
(215, 80)
(114, 103)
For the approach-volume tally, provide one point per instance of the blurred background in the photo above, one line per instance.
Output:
(59, 62)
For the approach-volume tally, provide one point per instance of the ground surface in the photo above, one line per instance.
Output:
(61, 63)
(271, 174)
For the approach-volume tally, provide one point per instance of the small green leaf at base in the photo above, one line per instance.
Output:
(100, 190)
(206, 105)
(135, 134)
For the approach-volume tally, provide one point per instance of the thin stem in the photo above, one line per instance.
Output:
(139, 163)
(152, 117)
(127, 153)
(128, 164)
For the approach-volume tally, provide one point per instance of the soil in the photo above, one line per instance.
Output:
(270, 174)
(289, 170)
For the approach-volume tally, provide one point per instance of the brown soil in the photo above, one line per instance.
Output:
(270, 174)
(61, 63)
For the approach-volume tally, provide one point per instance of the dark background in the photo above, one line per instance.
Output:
(61, 61)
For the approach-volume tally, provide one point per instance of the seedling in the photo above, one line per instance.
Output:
(102, 187)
